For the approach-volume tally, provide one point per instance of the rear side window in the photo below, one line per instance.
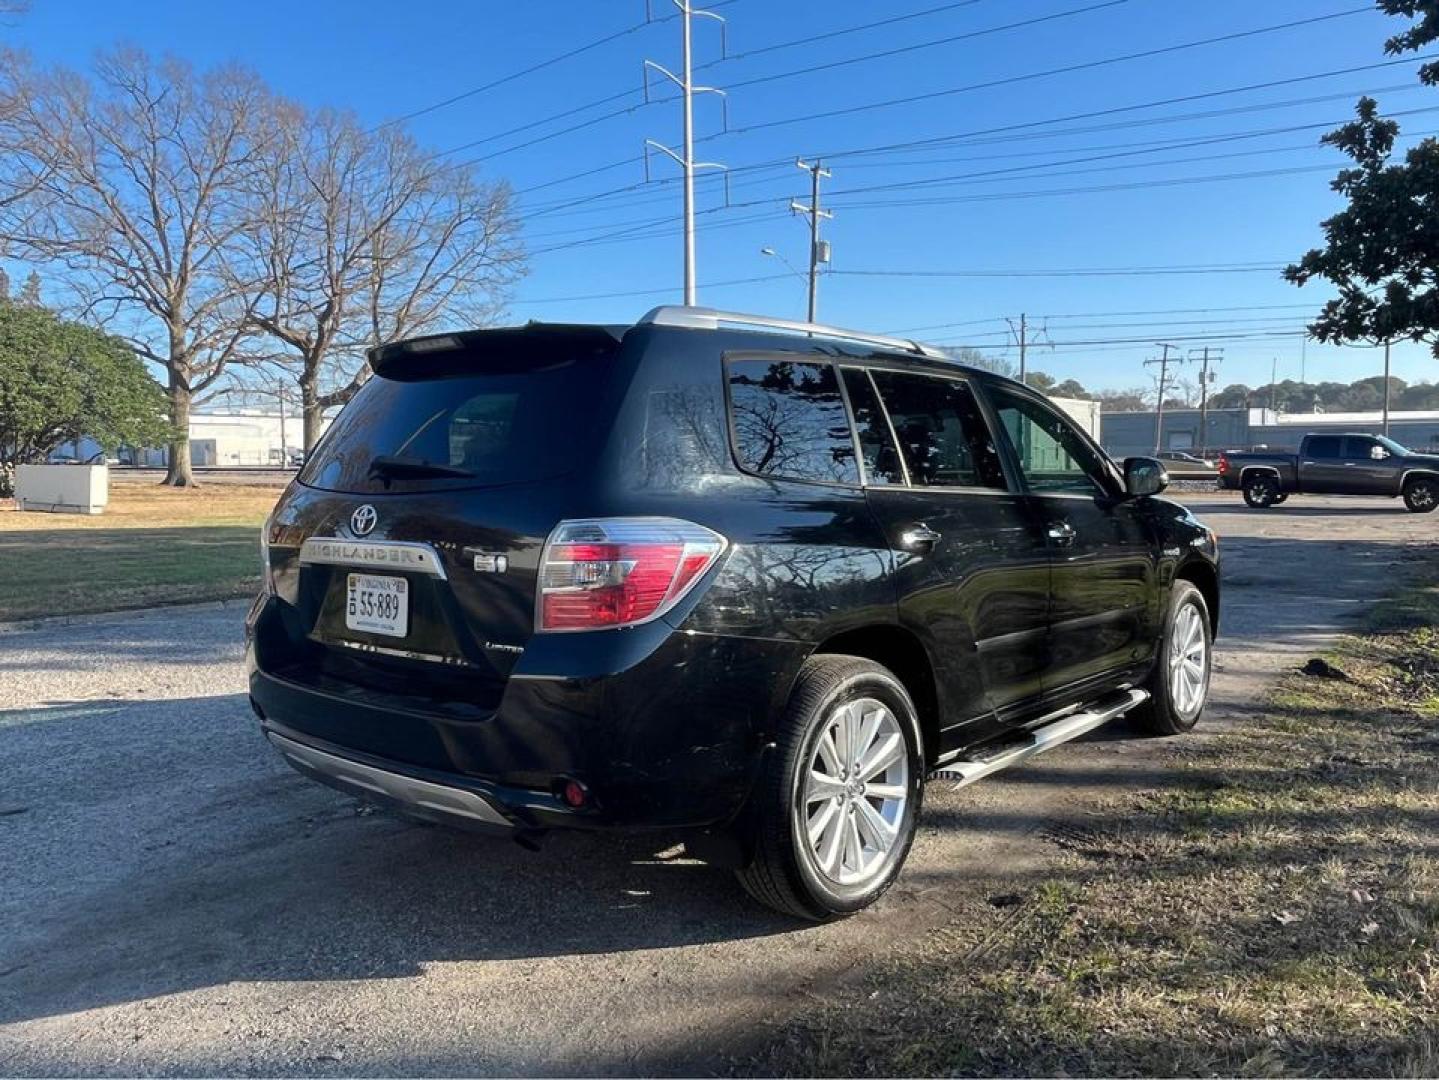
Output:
(465, 430)
(881, 459)
(942, 433)
(1323, 446)
(789, 421)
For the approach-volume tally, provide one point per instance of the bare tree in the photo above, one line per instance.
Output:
(363, 238)
(140, 184)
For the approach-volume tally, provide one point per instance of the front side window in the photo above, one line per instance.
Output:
(942, 432)
(1052, 455)
(789, 421)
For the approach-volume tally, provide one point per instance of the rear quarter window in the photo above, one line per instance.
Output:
(789, 422)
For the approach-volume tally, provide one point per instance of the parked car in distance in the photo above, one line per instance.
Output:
(1347, 464)
(745, 578)
(1181, 458)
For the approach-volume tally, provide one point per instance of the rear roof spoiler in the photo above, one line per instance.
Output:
(437, 354)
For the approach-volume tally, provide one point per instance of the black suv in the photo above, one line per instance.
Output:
(749, 579)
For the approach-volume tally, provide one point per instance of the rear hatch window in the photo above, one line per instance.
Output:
(477, 420)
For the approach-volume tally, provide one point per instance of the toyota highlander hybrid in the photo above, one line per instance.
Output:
(747, 579)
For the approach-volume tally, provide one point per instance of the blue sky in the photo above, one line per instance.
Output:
(987, 208)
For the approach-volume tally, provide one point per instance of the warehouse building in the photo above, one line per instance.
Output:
(1134, 433)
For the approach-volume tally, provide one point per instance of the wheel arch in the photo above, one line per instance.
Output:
(904, 654)
(1270, 469)
(1204, 577)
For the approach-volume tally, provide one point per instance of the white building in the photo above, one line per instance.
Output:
(235, 439)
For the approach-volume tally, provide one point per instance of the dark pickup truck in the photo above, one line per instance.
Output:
(1354, 464)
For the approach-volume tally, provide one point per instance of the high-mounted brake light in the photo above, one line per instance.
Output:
(601, 573)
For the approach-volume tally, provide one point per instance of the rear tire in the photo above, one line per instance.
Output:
(1421, 494)
(1261, 490)
(836, 806)
(1179, 685)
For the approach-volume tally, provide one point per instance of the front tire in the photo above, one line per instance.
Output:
(837, 805)
(1179, 686)
(1261, 490)
(1421, 494)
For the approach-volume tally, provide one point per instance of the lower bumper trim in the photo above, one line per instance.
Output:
(437, 799)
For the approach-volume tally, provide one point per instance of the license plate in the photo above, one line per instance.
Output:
(378, 605)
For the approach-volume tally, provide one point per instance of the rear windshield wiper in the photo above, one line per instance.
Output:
(385, 465)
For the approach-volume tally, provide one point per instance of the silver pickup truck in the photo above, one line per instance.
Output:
(1350, 464)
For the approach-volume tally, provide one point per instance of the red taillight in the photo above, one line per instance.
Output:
(610, 572)
(1223, 464)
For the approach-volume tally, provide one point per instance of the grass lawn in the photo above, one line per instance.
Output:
(1273, 911)
(153, 545)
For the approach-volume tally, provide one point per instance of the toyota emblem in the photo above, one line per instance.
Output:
(362, 521)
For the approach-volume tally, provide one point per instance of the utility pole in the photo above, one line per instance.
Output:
(1273, 379)
(1023, 342)
(1204, 397)
(1386, 389)
(1163, 363)
(686, 158)
(817, 255)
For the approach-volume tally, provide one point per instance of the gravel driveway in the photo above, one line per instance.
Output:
(173, 899)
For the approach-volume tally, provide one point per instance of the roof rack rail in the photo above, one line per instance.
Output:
(700, 318)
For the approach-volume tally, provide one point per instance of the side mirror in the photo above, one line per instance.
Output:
(1378, 453)
(1144, 476)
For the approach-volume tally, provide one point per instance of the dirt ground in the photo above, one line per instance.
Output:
(177, 901)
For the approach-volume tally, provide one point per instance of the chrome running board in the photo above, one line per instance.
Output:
(1040, 740)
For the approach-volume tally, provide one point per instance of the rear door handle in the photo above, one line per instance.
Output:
(918, 537)
(1061, 533)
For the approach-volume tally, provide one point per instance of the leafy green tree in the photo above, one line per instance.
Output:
(1381, 252)
(60, 381)
(1040, 381)
(1072, 388)
(1233, 396)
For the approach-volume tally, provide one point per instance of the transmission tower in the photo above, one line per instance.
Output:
(685, 157)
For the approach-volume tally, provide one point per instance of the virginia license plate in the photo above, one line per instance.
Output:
(378, 605)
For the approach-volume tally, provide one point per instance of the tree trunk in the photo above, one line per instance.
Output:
(179, 472)
(313, 412)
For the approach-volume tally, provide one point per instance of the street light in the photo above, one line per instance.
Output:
(776, 255)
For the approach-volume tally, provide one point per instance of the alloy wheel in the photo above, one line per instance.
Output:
(1421, 495)
(1188, 661)
(853, 792)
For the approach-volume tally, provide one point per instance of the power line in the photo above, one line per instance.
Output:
(1085, 271)
(533, 68)
(812, 39)
(1179, 181)
(902, 50)
(657, 290)
(1087, 65)
(621, 95)
(774, 76)
(990, 176)
(568, 207)
(1024, 126)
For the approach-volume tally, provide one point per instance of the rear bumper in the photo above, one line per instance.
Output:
(427, 798)
(663, 728)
